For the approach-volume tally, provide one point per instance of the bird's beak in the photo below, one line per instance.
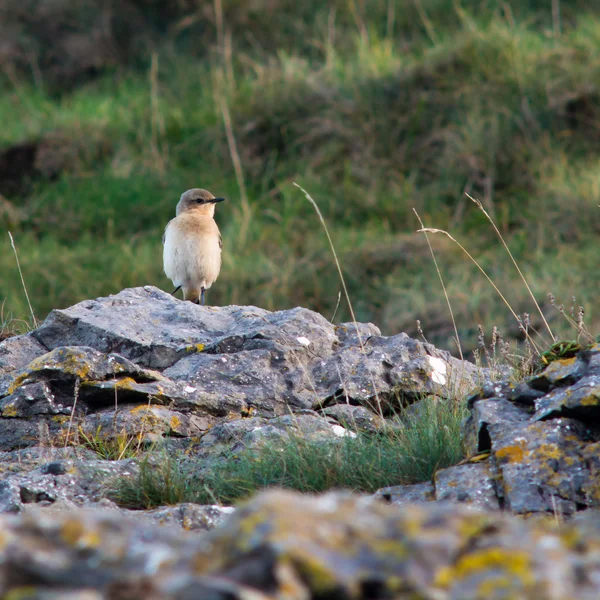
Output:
(214, 200)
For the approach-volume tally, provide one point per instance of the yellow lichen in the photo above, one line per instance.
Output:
(549, 451)
(68, 360)
(321, 578)
(125, 383)
(10, 410)
(590, 400)
(195, 348)
(17, 382)
(511, 454)
(175, 422)
(512, 562)
(23, 592)
(74, 533)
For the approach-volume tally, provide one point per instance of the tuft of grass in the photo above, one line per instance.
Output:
(108, 447)
(418, 442)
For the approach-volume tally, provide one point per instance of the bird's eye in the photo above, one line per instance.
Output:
(199, 200)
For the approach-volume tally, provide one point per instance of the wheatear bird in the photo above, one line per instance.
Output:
(192, 245)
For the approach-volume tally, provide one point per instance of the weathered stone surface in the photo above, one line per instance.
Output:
(284, 545)
(142, 348)
(563, 371)
(65, 481)
(18, 351)
(406, 494)
(356, 418)
(542, 467)
(580, 400)
(296, 355)
(541, 461)
(191, 517)
(234, 436)
(345, 547)
(471, 483)
(543, 440)
(146, 423)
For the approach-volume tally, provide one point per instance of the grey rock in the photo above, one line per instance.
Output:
(18, 351)
(560, 372)
(356, 418)
(69, 482)
(188, 516)
(144, 423)
(246, 357)
(143, 347)
(489, 417)
(285, 545)
(521, 393)
(472, 484)
(385, 371)
(232, 437)
(348, 547)
(542, 467)
(21, 433)
(580, 400)
(407, 494)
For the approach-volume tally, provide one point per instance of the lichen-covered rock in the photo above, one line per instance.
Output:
(580, 400)
(543, 443)
(287, 546)
(535, 445)
(188, 516)
(472, 484)
(142, 349)
(342, 546)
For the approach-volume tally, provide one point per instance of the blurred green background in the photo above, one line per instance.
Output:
(109, 110)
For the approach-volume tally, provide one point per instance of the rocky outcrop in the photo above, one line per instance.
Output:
(173, 369)
(543, 440)
(284, 545)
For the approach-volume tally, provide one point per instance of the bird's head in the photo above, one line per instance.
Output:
(197, 200)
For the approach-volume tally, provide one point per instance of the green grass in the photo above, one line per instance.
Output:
(373, 112)
(419, 443)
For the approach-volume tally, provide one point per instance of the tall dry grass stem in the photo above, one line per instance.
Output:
(75, 398)
(514, 314)
(12, 243)
(427, 24)
(157, 124)
(482, 209)
(437, 268)
(556, 17)
(336, 306)
(237, 166)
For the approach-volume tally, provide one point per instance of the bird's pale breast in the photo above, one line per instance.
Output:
(192, 251)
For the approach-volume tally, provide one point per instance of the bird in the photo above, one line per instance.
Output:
(192, 245)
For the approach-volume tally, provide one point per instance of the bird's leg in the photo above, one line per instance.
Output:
(175, 290)
(202, 295)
